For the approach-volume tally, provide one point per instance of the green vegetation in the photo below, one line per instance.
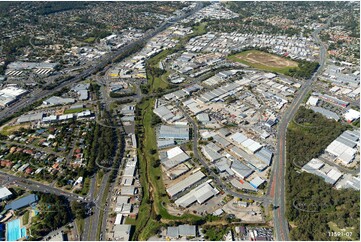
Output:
(308, 135)
(26, 217)
(215, 233)
(305, 69)
(89, 40)
(75, 110)
(54, 212)
(344, 232)
(264, 61)
(119, 95)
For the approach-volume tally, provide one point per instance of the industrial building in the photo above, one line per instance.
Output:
(351, 115)
(55, 100)
(176, 132)
(10, 94)
(240, 169)
(185, 184)
(175, 156)
(36, 117)
(182, 231)
(199, 194)
(317, 167)
(344, 146)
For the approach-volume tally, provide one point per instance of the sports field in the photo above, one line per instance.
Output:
(264, 61)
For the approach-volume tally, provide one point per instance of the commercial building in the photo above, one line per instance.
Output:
(10, 94)
(257, 182)
(185, 184)
(22, 202)
(5, 193)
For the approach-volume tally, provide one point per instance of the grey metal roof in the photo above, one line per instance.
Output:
(241, 169)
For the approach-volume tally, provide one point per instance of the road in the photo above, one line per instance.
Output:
(277, 181)
(37, 186)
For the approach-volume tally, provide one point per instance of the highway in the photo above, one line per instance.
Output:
(277, 181)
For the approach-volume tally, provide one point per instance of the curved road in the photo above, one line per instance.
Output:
(277, 186)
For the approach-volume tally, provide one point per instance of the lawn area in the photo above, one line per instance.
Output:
(347, 231)
(90, 40)
(79, 224)
(264, 61)
(26, 217)
(75, 110)
(7, 130)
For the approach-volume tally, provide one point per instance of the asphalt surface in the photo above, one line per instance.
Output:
(37, 186)
(277, 181)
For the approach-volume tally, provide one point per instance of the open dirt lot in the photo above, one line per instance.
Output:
(265, 59)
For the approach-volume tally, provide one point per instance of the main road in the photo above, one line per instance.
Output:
(277, 181)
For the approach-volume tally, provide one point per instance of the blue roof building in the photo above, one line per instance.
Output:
(22, 202)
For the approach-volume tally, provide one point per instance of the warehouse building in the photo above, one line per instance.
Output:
(351, 115)
(224, 167)
(240, 169)
(344, 146)
(36, 117)
(164, 113)
(317, 167)
(265, 155)
(242, 185)
(177, 171)
(55, 100)
(200, 194)
(257, 182)
(185, 184)
(175, 156)
(181, 231)
(176, 132)
(211, 154)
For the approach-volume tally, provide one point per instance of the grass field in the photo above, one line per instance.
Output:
(7, 130)
(264, 61)
(75, 110)
(89, 40)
